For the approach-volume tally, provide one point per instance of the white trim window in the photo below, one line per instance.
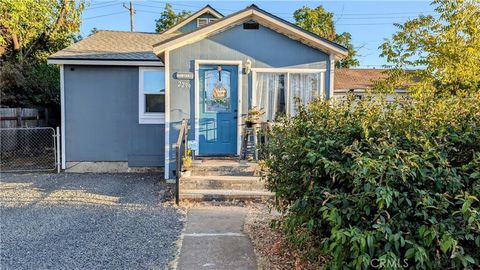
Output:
(204, 21)
(275, 90)
(151, 95)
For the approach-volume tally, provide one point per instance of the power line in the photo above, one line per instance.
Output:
(105, 15)
(391, 23)
(95, 7)
(101, 3)
(379, 18)
(338, 15)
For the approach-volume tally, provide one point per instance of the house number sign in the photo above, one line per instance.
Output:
(184, 75)
(183, 84)
(183, 78)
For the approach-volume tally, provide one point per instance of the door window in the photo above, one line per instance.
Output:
(217, 91)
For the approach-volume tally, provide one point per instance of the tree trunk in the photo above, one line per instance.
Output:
(16, 44)
(45, 35)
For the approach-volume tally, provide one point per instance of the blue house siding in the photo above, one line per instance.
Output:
(101, 108)
(193, 24)
(264, 47)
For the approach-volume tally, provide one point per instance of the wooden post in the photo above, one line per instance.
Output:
(132, 13)
(47, 121)
(18, 114)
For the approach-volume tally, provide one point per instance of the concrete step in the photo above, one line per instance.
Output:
(223, 168)
(222, 182)
(224, 195)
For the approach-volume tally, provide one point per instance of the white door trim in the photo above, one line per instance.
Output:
(167, 115)
(62, 114)
(239, 97)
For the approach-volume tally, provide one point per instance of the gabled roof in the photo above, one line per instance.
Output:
(207, 9)
(346, 78)
(113, 45)
(253, 12)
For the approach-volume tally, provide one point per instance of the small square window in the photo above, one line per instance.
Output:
(151, 96)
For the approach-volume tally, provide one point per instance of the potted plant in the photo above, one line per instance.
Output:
(254, 116)
(186, 162)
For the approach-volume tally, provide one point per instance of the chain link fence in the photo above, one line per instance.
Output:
(28, 149)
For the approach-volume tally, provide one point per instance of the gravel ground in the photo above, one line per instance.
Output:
(86, 221)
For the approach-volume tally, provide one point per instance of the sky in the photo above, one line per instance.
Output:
(369, 22)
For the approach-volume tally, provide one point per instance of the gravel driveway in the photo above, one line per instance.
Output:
(86, 221)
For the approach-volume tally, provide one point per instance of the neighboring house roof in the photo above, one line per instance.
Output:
(113, 45)
(207, 9)
(346, 79)
(253, 13)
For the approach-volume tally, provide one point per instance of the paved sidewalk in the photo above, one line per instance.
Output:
(214, 239)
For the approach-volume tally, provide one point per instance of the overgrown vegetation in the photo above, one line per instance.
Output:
(364, 180)
(443, 51)
(391, 185)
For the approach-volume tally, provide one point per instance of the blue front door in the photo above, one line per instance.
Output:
(218, 110)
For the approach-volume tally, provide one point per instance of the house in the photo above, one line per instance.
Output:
(124, 94)
(358, 81)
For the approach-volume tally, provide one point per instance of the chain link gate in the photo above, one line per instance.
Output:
(29, 149)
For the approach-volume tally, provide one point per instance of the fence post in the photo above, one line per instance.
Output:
(58, 149)
(18, 114)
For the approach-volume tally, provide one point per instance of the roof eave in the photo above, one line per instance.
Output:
(104, 62)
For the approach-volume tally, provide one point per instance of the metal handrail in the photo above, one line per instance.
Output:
(182, 140)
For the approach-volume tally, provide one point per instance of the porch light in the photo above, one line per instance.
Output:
(248, 66)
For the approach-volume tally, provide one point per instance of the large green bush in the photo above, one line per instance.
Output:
(376, 184)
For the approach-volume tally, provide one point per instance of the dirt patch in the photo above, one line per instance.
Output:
(271, 247)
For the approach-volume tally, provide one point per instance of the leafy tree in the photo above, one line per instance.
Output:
(169, 18)
(93, 31)
(320, 22)
(443, 50)
(29, 32)
(36, 28)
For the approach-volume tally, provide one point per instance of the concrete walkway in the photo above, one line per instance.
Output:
(214, 239)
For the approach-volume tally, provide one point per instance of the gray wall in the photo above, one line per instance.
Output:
(193, 24)
(264, 47)
(101, 108)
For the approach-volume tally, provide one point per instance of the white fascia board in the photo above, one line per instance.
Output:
(104, 62)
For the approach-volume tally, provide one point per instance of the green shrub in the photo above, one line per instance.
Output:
(377, 184)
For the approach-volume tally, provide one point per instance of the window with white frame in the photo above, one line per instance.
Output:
(276, 90)
(151, 98)
(204, 21)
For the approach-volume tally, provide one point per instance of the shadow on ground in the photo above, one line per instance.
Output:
(93, 221)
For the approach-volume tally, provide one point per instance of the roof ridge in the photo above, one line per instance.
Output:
(123, 31)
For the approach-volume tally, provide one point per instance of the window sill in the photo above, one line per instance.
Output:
(152, 119)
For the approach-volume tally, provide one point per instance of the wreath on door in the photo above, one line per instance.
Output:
(219, 94)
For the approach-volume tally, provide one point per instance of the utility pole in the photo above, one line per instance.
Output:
(132, 13)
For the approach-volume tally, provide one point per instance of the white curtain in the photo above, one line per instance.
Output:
(270, 94)
(305, 86)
